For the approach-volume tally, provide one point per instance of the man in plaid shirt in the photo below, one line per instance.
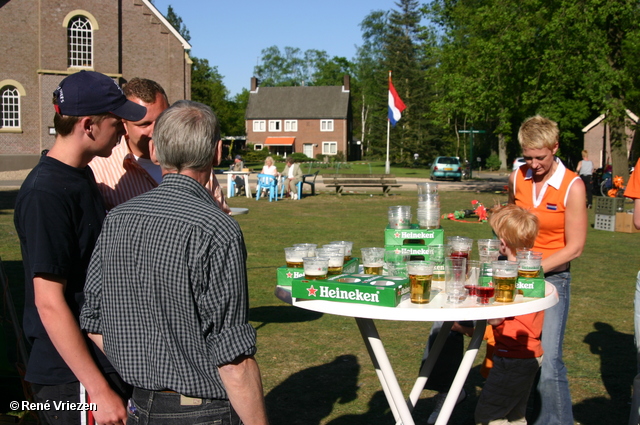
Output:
(166, 292)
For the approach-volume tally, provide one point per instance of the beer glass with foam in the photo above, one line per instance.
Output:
(505, 274)
(372, 260)
(294, 255)
(529, 263)
(315, 268)
(420, 275)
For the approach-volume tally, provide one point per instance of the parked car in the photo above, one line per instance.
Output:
(518, 162)
(446, 167)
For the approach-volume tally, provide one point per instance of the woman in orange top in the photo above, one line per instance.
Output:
(556, 195)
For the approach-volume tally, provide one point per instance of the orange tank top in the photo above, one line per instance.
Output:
(549, 206)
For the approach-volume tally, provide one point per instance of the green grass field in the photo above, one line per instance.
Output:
(315, 367)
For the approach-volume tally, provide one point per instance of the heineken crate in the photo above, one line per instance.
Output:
(605, 205)
(413, 236)
(285, 275)
(385, 291)
(531, 287)
(415, 252)
(605, 222)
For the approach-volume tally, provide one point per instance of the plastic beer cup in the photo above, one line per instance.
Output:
(420, 275)
(505, 274)
(315, 268)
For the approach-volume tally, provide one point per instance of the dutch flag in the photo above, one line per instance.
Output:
(396, 105)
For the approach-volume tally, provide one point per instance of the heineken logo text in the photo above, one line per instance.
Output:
(416, 235)
(524, 286)
(354, 295)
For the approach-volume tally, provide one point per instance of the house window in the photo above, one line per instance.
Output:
(326, 125)
(329, 148)
(275, 125)
(10, 107)
(80, 42)
(291, 125)
(259, 125)
(257, 147)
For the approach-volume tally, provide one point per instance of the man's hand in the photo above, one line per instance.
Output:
(111, 408)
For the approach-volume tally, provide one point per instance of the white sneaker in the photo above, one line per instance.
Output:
(294, 196)
(439, 402)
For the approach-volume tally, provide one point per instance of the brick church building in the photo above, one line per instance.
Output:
(46, 40)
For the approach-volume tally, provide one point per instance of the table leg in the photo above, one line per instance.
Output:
(384, 370)
(429, 363)
(463, 372)
(247, 188)
(229, 189)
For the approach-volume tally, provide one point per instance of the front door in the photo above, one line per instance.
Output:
(307, 149)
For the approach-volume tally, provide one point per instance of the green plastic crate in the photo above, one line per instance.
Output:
(608, 206)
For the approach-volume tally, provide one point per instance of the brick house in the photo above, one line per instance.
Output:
(597, 138)
(311, 120)
(46, 40)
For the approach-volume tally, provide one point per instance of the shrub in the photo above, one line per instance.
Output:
(493, 162)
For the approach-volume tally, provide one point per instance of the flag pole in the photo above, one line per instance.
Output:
(387, 164)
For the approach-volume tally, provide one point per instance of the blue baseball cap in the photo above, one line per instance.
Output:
(92, 93)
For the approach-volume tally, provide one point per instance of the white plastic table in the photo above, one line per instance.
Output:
(245, 176)
(436, 310)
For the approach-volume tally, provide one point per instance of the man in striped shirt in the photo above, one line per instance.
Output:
(129, 171)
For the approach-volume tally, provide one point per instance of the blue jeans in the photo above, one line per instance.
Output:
(634, 416)
(553, 387)
(165, 408)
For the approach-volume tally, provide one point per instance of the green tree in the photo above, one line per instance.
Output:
(176, 22)
(207, 87)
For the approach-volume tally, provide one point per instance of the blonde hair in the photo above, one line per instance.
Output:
(517, 227)
(538, 132)
(585, 153)
(269, 158)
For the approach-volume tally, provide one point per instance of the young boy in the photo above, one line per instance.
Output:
(518, 351)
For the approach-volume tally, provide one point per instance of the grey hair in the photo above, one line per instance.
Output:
(186, 136)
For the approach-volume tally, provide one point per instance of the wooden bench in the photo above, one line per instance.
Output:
(340, 181)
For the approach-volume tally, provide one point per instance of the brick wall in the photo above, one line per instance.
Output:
(36, 56)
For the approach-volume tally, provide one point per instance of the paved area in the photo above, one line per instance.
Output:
(482, 181)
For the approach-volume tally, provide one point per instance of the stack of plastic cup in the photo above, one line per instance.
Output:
(400, 217)
(488, 250)
(428, 212)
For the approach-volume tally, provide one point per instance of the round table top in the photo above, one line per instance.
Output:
(238, 211)
(436, 310)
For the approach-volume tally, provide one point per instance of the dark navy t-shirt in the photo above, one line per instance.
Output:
(58, 216)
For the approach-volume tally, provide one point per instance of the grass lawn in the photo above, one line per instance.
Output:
(315, 368)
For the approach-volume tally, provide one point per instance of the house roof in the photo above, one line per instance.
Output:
(166, 23)
(598, 120)
(298, 103)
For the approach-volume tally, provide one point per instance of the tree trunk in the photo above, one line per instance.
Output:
(502, 151)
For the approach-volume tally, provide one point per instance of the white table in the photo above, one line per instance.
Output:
(244, 175)
(436, 310)
(239, 211)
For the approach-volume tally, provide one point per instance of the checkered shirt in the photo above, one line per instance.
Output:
(167, 289)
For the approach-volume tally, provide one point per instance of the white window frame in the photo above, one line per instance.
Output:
(275, 125)
(326, 125)
(259, 125)
(257, 147)
(328, 147)
(290, 125)
(10, 107)
(80, 42)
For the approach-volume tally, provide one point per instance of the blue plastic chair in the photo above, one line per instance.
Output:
(267, 182)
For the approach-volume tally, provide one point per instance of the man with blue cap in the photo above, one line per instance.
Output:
(58, 217)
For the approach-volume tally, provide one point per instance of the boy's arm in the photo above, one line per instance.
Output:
(65, 334)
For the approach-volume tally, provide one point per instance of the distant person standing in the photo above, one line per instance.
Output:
(585, 171)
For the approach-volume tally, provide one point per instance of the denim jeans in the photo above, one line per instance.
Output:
(164, 408)
(553, 387)
(634, 416)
